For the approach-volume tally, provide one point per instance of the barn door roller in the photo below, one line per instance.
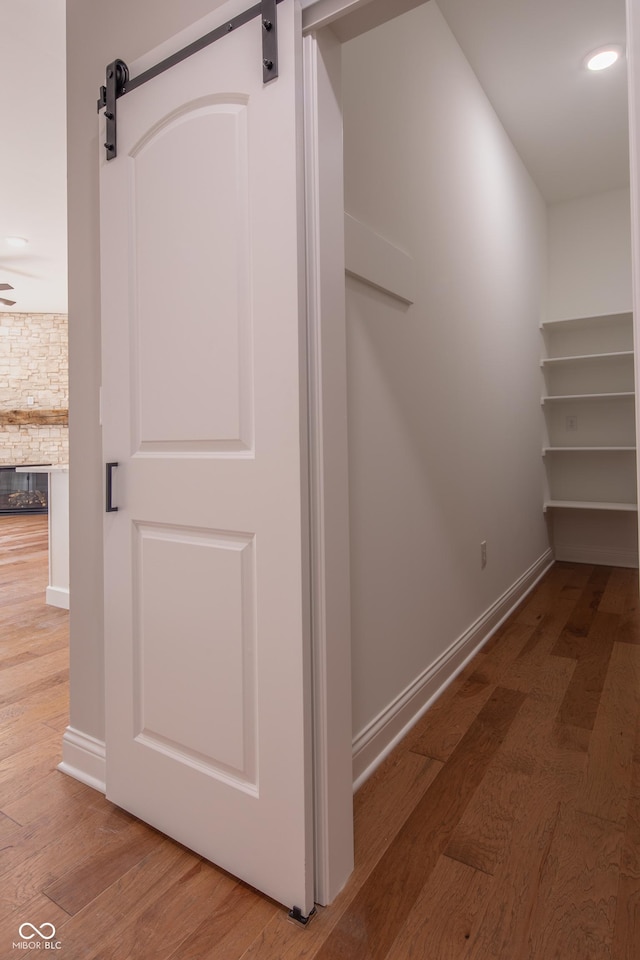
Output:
(118, 82)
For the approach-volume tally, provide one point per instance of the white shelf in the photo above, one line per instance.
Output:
(588, 336)
(553, 361)
(590, 505)
(580, 323)
(589, 396)
(546, 450)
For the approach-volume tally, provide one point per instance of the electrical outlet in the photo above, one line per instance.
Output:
(571, 422)
(483, 554)
(29, 401)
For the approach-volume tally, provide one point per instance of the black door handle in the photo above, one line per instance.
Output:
(109, 487)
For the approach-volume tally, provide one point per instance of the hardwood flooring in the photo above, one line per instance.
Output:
(506, 826)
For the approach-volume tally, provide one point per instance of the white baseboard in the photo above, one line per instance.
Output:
(58, 597)
(84, 758)
(379, 737)
(597, 555)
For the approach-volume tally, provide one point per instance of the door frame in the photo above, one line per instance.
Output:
(328, 473)
(326, 24)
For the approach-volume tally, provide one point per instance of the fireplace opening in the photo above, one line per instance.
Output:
(23, 492)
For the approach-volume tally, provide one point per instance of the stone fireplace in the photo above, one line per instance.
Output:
(33, 390)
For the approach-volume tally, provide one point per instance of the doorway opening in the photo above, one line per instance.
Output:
(436, 480)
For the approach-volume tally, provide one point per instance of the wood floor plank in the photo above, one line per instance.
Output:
(621, 593)
(627, 922)
(482, 838)
(47, 803)
(533, 670)
(24, 675)
(384, 802)
(570, 737)
(10, 833)
(29, 840)
(558, 770)
(489, 664)
(611, 746)
(25, 722)
(629, 631)
(35, 687)
(141, 889)
(448, 912)
(505, 926)
(102, 830)
(574, 910)
(548, 628)
(529, 764)
(19, 771)
(381, 907)
(582, 699)
(171, 921)
(581, 619)
(230, 929)
(59, 723)
(561, 582)
(38, 637)
(85, 881)
(444, 725)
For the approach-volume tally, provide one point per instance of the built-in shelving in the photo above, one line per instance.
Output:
(589, 448)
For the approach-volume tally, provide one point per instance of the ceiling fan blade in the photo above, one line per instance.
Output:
(5, 286)
(7, 303)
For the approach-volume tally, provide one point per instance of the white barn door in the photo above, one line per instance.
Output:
(206, 614)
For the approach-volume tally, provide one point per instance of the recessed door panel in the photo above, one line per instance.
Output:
(192, 279)
(195, 647)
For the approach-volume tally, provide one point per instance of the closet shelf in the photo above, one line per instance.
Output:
(590, 505)
(557, 361)
(585, 323)
(589, 396)
(546, 450)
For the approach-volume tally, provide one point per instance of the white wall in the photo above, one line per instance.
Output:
(93, 40)
(590, 256)
(444, 396)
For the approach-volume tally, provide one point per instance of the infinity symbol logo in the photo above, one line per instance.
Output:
(40, 932)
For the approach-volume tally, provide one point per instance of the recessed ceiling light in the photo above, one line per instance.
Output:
(603, 57)
(16, 241)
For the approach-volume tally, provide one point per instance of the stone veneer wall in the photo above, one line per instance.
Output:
(33, 363)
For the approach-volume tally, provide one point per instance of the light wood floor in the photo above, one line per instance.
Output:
(506, 825)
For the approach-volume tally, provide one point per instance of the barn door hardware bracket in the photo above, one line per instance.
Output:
(118, 82)
(115, 85)
(269, 40)
(296, 914)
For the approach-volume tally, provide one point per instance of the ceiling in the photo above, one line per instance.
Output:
(569, 126)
